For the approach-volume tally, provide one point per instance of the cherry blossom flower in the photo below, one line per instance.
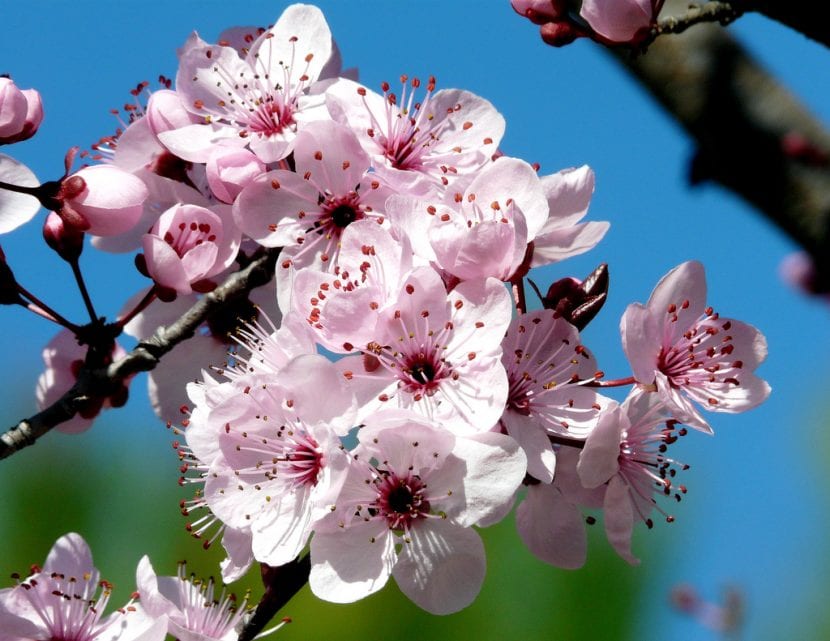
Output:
(65, 601)
(545, 362)
(344, 304)
(21, 112)
(626, 452)
(63, 358)
(684, 350)
(406, 509)
(308, 210)
(261, 100)
(191, 606)
(484, 232)
(437, 353)
(229, 170)
(188, 245)
(419, 145)
(282, 462)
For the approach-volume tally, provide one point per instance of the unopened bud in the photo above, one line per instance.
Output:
(21, 112)
(559, 33)
(66, 240)
(576, 301)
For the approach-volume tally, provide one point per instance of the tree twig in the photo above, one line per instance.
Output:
(104, 381)
(741, 120)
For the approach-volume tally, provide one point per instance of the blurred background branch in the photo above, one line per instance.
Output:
(752, 136)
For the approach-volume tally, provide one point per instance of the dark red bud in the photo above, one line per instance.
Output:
(576, 301)
(559, 33)
(67, 241)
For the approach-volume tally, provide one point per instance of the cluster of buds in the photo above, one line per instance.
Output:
(618, 22)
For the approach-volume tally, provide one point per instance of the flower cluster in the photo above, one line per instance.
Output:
(65, 601)
(402, 232)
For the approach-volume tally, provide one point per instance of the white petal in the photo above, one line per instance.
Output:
(348, 565)
(442, 566)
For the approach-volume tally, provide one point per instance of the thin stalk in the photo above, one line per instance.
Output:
(79, 278)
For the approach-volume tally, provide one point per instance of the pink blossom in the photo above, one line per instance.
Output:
(16, 209)
(485, 231)
(437, 353)
(189, 244)
(65, 601)
(684, 350)
(260, 101)
(620, 20)
(309, 209)
(411, 495)
(626, 453)
(343, 305)
(21, 112)
(229, 170)
(281, 463)
(191, 606)
(110, 201)
(419, 145)
(545, 361)
(64, 357)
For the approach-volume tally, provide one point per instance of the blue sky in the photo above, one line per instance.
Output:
(753, 505)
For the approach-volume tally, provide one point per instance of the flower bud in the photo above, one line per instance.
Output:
(621, 21)
(578, 302)
(66, 240)
(21, 112)
(559, 33)
(110, 202)
(229, 170)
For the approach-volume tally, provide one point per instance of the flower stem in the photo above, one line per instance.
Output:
(281, 584)
(148, 298)
(20, 189)
(42, 309)
(79, 278)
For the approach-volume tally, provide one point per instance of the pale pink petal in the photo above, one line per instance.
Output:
(71, 556)
(552, 527)
(618, 20)
(441, 567)
(641, 341)
(569, 193)
(237, 544)
(496, 466)
(598, 460)
(533, 439)
(684, 290)
(16, 209)
(560, 244)
(619, 518)
(348, 565)
(329, 154)
(112, 201)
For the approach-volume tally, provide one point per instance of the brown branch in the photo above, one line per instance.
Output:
(744, 124)
(102, 382)
(806, 16)
(281, 584)
(721, 12)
